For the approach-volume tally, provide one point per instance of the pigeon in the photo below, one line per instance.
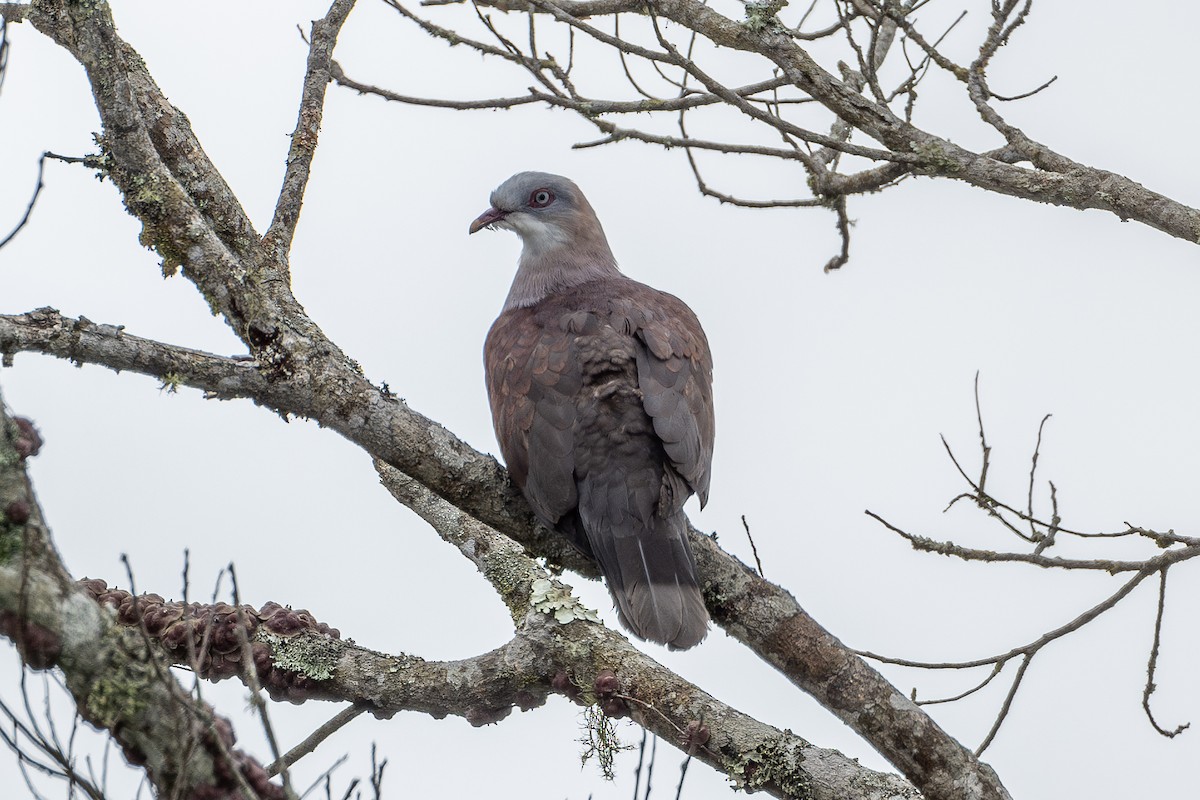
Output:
(601, 396)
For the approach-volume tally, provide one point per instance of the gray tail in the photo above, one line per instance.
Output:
(651, 574)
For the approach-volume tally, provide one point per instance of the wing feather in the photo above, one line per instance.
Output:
(532, 392)
(675, 376)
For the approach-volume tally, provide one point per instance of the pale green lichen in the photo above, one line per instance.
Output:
(772, 764)
(934, 155)
(10, 540)
(403, 662)
(553, 598)
(153, 239)
(170, 383)
(118, 696)
(760, 15)
(508, 576)
(313, 657)
(144, 189)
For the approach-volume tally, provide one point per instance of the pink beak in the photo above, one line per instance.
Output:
(487, 219)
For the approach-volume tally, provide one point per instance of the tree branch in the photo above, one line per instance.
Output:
(41, 168)
(381, 424)
(14, 12)
(119, 682)
(278, 239)
(1055, 179)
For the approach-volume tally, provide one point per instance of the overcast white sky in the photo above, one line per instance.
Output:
(831, 389)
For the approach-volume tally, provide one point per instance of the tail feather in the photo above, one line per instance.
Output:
(649, 569)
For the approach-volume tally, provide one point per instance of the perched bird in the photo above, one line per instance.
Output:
(601, 395)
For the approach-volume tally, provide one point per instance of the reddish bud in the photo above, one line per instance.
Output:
(29, 441)
(17, 512)
(284, 622)
(527, 701)
(94, 586)
(606, 683)
(614, 707)
(486, 716)
(39, 647)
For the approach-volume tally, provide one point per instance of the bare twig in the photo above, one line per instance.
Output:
(1153, 662)
(650, 766)
(683, 768)
(996, 670)
(637, 772)
(993, 506)
(3, 50)
(1006, 706)
(1112, 566)
(315, 738)
(843, 227)
(37, 189)
(1031, 648)
(1024, 95)
(377, 768)
(59, 764)
(983, 445)
(324, 777)
(583, 105)
(753, 547)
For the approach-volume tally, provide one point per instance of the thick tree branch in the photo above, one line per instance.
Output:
(14, 12)
(82, 341)
(768, 620)
(119, 682)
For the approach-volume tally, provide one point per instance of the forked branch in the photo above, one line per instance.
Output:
(1170, 549)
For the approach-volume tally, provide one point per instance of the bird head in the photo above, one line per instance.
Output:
(562, 242)
(546, 211)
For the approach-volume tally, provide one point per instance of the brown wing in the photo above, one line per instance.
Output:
(533, 380)
(675, 377)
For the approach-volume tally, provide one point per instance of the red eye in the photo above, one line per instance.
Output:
(541, 198)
